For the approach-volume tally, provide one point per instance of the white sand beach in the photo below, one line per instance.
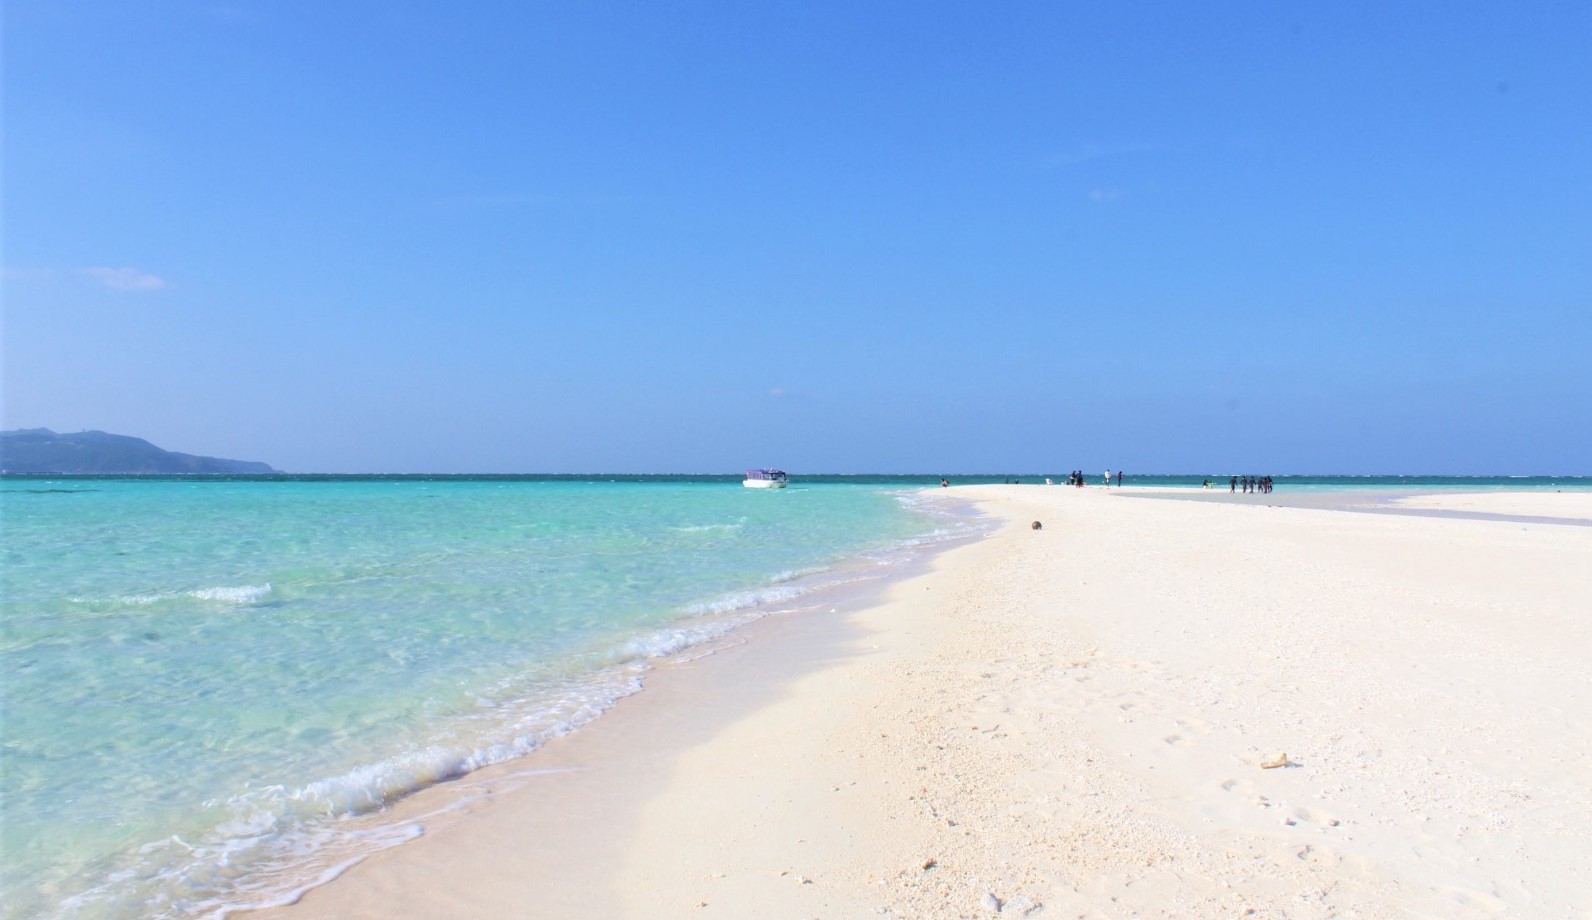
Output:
(1075, 722)
(1545, 504)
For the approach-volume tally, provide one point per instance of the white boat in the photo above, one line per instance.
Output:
(766, 479)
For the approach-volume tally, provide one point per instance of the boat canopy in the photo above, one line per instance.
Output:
(775, 475)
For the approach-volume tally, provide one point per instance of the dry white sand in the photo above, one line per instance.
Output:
(1071, 722)
(1574, 505)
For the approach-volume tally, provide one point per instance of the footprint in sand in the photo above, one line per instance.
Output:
(1325, 857)
(1314, 816)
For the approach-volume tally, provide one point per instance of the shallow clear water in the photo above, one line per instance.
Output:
(205, 680)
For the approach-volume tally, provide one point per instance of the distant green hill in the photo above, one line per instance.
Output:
(40, 450)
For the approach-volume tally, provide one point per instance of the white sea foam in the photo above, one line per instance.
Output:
(282, 827)
(294, 839)
(793, 574)
(222, 594)
(740, 600)
(131, 600)
(370, 786)
(241, 594)
(519, 726)
(707, 528)
(666, 642)
(291, 896)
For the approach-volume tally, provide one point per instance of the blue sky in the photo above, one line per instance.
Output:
(844, 237)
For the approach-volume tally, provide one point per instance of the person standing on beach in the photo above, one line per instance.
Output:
(1119, 479)
(1232, 485)
(1108, 478)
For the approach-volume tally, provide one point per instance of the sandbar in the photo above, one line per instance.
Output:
(1077, 721)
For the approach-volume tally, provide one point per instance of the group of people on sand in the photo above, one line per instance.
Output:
(1076, 478)
(1261, 484)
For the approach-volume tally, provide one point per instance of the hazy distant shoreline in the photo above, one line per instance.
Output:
(1284, 482)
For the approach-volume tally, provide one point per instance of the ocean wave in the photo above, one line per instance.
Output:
(707, 528)
(740, 600)
(221, 594)
(671, 641)
(793, 574)
(241, 594)
(271, 843)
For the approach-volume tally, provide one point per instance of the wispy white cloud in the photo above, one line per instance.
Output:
(777, 392)
(1084, 153)
(1103, 195)
(126, 279)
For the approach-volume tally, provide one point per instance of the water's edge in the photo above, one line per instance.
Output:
(821, 612)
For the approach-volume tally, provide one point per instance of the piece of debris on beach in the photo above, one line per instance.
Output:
(1281, 760)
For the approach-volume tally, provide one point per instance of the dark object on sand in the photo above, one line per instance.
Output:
(1037, 526)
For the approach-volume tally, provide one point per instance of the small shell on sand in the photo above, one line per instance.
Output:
(1281, 760)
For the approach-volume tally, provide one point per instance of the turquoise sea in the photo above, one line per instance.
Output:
(214, 686)
(211, 685)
